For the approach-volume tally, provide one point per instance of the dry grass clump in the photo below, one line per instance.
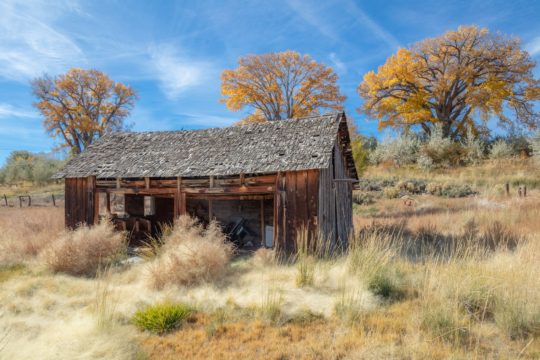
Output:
(83, 251)
(191, 254)
(264, 257)
(25, 232)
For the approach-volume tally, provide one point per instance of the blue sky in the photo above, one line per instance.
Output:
(173, 52)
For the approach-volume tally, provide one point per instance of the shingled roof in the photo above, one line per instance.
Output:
(287, 145)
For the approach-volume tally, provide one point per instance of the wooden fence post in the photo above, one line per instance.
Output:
(20, 201)
(29, 201)
(53, 200)
(507, 187)
(5, 200)
(524, 190)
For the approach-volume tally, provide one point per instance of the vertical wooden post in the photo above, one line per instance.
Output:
(507, 187)
(53, 200)
(211, 181)
(118, 183)
(147, 183)
(263, 232)
(91, 202)
(108, 203)
(5, 200)
(20, 201)
(178, 198)
(29, 201)
(524, 190)
(210, 210)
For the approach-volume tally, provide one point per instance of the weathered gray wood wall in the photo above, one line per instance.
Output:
(335, 202)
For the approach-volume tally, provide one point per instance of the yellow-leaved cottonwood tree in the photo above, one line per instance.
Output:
(279, 86)
(82, 105)
(459, 80)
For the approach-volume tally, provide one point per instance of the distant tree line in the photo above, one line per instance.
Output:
(25, 166)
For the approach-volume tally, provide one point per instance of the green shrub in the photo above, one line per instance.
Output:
(516, 318)
(450, 190)
(440, 151)
(162, 318)
(400, 151)
(305, 267)
(385, 286)
(445, 324)
(392, 192)
(362, 198)
(501, 150)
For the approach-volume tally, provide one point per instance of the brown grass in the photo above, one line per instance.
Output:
(86, 249)
(446, 278)
(191, 254)
(24, 233)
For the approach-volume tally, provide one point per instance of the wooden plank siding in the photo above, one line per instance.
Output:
(295, 208)
(80, 200)
(335, 203)
(305, 200)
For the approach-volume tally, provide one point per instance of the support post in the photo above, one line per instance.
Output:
(147, 183)
(210, 210)
(507, 187)
(263, 232)
(5, 200)
(53, 200)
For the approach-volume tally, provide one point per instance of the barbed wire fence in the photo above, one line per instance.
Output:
(32, 200)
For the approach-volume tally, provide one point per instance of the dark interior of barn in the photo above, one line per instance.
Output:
(246, 221)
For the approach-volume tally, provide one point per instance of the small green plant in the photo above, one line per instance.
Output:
(385, 286)
(270, 308)
(163, 317)
(305, 267)
(348, 307)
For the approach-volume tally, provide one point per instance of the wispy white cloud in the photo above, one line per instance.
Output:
(533, 46)
(30, 43)
(312, 15)
(365, 20)
(176, 72)
(9, 111)
(339, 65)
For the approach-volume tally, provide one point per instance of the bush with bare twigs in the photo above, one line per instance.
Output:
(84, 250)
(191, 254)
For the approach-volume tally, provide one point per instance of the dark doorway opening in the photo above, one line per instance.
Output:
(249, 223)
(143, 216)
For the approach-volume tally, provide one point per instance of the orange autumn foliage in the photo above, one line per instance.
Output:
(279, 86)
(82, 105)
(460, 80)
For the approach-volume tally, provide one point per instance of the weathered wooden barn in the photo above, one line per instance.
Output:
(264, 183)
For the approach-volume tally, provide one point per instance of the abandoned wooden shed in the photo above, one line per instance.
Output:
(264, 183)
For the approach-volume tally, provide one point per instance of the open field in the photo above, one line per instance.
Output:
(443, 278)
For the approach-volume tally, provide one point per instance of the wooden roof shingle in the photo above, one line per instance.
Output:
(287, 145)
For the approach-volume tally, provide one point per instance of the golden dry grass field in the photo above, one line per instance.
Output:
(440, 278)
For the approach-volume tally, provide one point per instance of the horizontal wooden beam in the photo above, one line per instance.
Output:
(231, 190)
(137, 191)
(219, 197)
(346, 180)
